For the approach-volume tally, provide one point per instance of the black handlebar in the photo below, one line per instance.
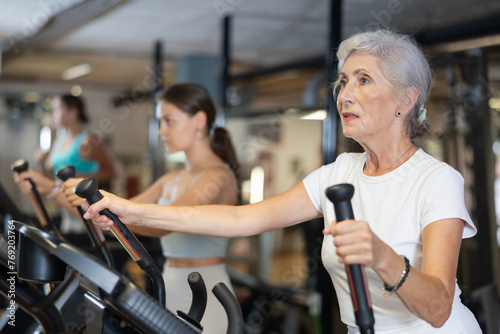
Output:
(198, 302)
(96, 235)
(46, 222)
(340, 195)
(88, 189)
(233, 309)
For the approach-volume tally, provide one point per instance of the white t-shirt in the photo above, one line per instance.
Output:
(398, 206)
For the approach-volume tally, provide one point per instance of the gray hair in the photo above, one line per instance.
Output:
(403, 64)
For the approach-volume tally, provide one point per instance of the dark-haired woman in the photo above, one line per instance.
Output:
(74, 146)
(210, 176)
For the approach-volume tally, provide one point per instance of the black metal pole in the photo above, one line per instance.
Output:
(225, 62)
(452, 117)
(330, 123)
(477, 111)
(155, 148)
(325, 286)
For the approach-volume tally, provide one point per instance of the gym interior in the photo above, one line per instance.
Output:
(268, 66)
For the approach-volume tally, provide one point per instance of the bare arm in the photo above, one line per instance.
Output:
(427, 293)
(44, 186)
(41, 159)
(214, 186)
(286, 209)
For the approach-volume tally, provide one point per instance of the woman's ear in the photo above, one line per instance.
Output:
(408, 99)
(200, 119)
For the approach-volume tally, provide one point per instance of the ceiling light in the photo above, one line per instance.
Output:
(317, 115)
(76, 90)
(76, 71)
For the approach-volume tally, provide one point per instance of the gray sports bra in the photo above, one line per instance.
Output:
(189, 245)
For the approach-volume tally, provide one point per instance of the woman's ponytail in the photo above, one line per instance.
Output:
(221, 144)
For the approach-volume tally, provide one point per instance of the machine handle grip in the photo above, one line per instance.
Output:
(88, 189)
(95, 233)
(340, 195)
(199, 301)
(20, 166)
(231, 306)
(66, 173)
(46, 222)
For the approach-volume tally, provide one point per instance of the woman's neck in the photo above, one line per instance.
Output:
(381, 159)
(199, 156)
(73, 130)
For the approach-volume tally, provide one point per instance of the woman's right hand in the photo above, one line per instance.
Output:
(69, 188)
(44, 185)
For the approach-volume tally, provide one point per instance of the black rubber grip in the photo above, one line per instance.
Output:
(340, 195)
(231, 306)
(20, 166)
(95, 234)
(66, 173)
(199, 301)
(47, 224)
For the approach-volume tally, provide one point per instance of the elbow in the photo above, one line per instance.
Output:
(441, 317)
(439, 323)
(440, 307)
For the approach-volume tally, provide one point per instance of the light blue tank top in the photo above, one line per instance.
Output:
(71, 155)
(191, 246)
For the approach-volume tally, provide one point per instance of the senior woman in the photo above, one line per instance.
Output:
(409, 207)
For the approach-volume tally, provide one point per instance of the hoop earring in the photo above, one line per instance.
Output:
(399, 113)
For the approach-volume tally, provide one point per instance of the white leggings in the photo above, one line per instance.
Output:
(178, 294)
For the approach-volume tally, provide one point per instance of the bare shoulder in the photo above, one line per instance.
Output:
(211, 185)
(220, 173)
(92, 140)
(91, 145)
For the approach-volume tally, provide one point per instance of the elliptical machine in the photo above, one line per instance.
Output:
(111, 302)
